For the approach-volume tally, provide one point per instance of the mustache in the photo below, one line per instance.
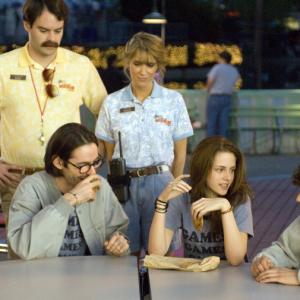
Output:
(50, 44)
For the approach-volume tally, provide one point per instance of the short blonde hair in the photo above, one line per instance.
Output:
(151, 44)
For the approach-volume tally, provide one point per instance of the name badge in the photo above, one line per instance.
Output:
(17, 77)
(127, 109)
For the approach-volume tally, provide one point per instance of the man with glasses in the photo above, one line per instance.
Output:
(67, 210)
(42, 87)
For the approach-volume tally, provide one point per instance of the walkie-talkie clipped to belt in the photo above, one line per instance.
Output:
(118, 177)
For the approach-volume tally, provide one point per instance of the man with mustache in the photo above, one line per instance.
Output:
(67, 210)
(42, 87)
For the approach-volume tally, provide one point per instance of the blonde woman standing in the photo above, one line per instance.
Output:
(154, 126)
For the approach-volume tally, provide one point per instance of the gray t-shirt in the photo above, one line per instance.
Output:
(225, 77)
(204, 243)
(73, 243)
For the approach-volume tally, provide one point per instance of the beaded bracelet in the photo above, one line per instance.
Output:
(161, 206)
(226, 211)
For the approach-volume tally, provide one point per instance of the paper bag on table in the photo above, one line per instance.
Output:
(183, 264)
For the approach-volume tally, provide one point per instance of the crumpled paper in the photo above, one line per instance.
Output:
(198, 223)
(183, 264)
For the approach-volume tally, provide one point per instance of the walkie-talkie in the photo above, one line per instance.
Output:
(118, 177)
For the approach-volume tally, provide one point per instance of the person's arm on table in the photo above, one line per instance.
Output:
(279, 275)
(116, 223)
(264, 271)
(280, 262)
(159, 236)
(235, 242)
(117, 245)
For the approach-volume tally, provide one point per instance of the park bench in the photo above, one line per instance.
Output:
(274, 119)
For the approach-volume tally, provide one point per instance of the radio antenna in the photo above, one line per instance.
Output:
(120, 144)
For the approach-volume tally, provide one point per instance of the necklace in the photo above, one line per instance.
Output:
(41, 109)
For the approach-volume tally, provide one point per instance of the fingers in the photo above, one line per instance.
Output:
(203, 206)
(175, 188)
(268, 276)
(16, 178)
(279, 275)
(91, 179)
(179, 185)
(199, 208)
(87, 189)
(260, 265)
(272, 275)
(117, 245)
(7, 175)
(95, 183)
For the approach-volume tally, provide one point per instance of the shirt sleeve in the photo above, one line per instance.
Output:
(174, 213)
(33, 231)
(243, 217)
(212, 74)
(285, 252)
(103, 128)
(183, 127)
(94, 91)
(116, 219)
(1, 92)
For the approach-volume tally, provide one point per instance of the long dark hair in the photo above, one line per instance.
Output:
(63, 142)
(201, 165)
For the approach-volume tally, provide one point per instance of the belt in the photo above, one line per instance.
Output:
(148, 171)
(26, 171)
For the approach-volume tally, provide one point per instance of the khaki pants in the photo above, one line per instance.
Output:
(6, 197)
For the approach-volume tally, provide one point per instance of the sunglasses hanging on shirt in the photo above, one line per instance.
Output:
(51, 89)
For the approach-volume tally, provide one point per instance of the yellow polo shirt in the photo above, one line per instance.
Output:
(78, 82)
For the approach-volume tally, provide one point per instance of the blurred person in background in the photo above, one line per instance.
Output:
(220, 84)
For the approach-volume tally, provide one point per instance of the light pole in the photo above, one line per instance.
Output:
(156, 17)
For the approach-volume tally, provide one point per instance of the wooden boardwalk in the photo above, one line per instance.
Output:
(274, 207)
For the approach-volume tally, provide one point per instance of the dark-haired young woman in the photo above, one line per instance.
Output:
(219, 198)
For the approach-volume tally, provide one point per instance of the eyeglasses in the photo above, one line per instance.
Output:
(51, 89)
(84, 168)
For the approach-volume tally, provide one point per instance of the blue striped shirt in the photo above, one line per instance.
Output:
(148, 129)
